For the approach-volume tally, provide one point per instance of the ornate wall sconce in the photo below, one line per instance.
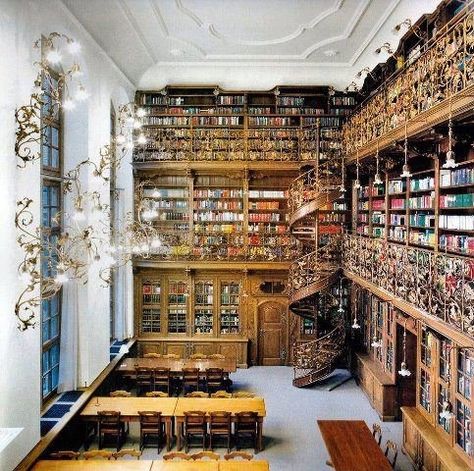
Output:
(384, 47)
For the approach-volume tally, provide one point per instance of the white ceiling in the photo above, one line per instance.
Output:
(247, 44)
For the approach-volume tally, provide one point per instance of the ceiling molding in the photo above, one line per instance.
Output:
(98, 45)
(187, 12)
(374, 31)
(137, 30)
(284, 39)
(251, 64)
(159, 18)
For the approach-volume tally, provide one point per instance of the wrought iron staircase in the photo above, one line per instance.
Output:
(315, 274)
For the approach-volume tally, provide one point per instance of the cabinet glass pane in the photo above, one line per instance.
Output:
(426, 347)
(443, 398)
(425, 390)
(177, 307)
(463, 426)
(203, 307)
(465, 372)
(229, 312)
(151, 313)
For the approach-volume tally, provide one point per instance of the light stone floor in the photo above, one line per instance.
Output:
(292, 438)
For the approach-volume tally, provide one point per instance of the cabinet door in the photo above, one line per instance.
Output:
(410, 440)
(231, 350)
(205, 348)
(178, 348)
(429, 458)
(378, 397)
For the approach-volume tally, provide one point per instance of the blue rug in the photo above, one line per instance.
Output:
(70, 396)
(46, 426)
(56, 411)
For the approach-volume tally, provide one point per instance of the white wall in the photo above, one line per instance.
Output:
(86, 130)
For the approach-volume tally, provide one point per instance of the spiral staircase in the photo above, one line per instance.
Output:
(315, 274)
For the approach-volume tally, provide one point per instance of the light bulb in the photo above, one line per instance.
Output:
(53, 56)
(377, 179)
(120, 139)
(142, 139)
(375, 343)
(405, 171)
(355, 325)
(450, 162)
(81, 94)
(68, 104)
(156, 243)
(340, 308)
(74, 47)
(141, 112)
(61, 277)
(404, 371)
(79, 215)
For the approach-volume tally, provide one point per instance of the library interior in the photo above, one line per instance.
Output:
(239, 235)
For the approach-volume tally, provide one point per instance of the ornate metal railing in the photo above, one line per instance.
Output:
(312, 272)
(443, 70)
(315, 360)
(439, 284)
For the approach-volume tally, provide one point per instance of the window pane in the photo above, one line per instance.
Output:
(54, 326)
(54, 158)
(55, 137)
(54, 354)
(45, 332)
(45, 386)
(54, 377)
(45, 154)
(46, 364)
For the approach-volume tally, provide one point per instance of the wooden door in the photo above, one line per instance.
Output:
(271, 334)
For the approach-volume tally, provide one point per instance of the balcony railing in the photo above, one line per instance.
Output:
(439, 284)
(442, 71)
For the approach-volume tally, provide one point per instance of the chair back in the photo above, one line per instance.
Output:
(219, 420)
(377, 433)
(176, 455)
(120, 393)
(214, 376)
(201, 455)
(151, 355)
(246, 421)
(65, 455)
(238, 454)
(198, 356)
(194, 419)
(391, 448)
(156, 394)
(127, 452)
(150, 418)
(162, 375)
(243, 394)
(98, 455)
(221, 395)
(109, 419)
(197, 394)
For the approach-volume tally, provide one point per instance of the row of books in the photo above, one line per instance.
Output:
(324, 121)
(363, 218)
(421, 202)
(290, 101)
(274, 121)
(341, 111)
(343, 101)
(425, 237)
(266, 134)
(396, 186)
(422, 220)
(167, 193)
(398, 219)
(171, 204)
(456, 222)
(296, 111)
(397, 203)
(217, 228)
(378, 232)
(363, 205)
(270, 240)
(426, 183)
(268, 194)
(219, 193)
(332, 217)
(230, 100)
(217, 216)
(458, 243)
(397, 233)
(262, 228)
(265, 217)
(378, 204)
(378, 218)
(461, 176)
(218, 240)
(457, 201)
(177, 110)
(260, 110)
(264, 205)
(171, 216)
(218, 204)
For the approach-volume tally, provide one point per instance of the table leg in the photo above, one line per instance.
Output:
(168, 433)
(260, 435)
(179, 435)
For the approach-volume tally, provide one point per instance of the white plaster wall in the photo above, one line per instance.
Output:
(86, 130)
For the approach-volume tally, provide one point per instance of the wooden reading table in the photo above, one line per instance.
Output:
(129, 408)
(92, 465)
(232, 405)
(352, 447)
(128, 365)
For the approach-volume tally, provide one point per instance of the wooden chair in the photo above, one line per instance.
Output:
(195, 425)
(214, 379)
(144, 379)
(152, 355)
(98, 455)
(197, 394)
(391, 447)
(111, 425)
(198, 356)
(120, 393)
(172, 356)
(201, 455)
(163, 379)
(156, 394)
(151, 424)
(377, 433)
(220, 426)
(127, 452)
(246, 427)
(243, 394)
(190, 379)
(238, 454)
(65, 455)
(216, 356)
(178, 455)
(221, 394)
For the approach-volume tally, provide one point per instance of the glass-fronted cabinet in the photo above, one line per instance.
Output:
(151, 306)
(177, 306)
(203, 307)
(229, 312)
